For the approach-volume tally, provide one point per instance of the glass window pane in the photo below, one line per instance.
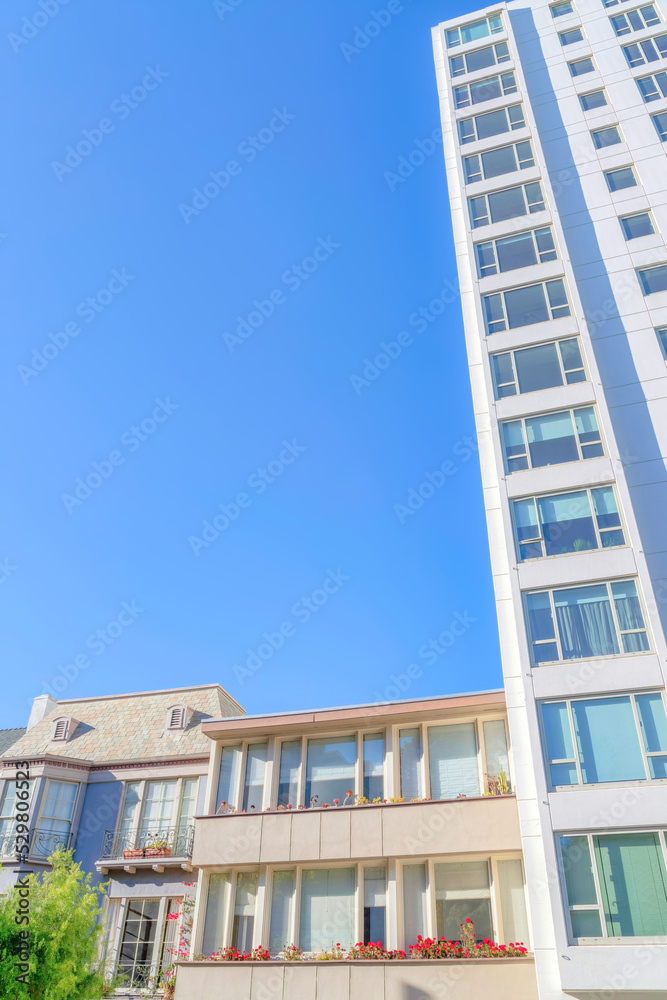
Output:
(375, 902)
(635, 226)
(244, 910)
(330, 769)
(230, 765)
(462, 893)
(216, 907)
(557, 298)
(633, 884)
(499, 161)
(571, 36)
(551, 439)
(558, 9)
(585, 923)
(485, 90)
(492, 123)
(563, 774)
(585, 622)
(516, 251)
(373, 766)
(507, 204)
(503, 371)
(282, 905)
(253, 790)
(409, 742)
(479, 215)
(627, 605)
(288, 782)
(567, 523)
(525, 306)
(480, 58)
(495, 748)
(493, 313)
(453, 763)
(513, 903)
(619, 179)
(581, 66)
(653, 721)
(327, 908)
(557, 732)
(539, 616)
(514, 446)
(653, 279)
(538, 367)
(570, 354)
(607, 740)
(662, 337)
(414, 903)
(472, 169)
(578, 870)
(596, 99)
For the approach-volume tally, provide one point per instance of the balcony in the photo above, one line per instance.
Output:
(488, 824)
(154, 848)
(469, 979)
(42, 844)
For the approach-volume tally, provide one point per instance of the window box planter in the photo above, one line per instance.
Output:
(157, 852)
(137, 852)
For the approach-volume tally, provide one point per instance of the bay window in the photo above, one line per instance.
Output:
(603, 619)
(496, 162)
(508, 253)
(476, 29)
(490, 124)
(485, 90)
(490, 55)
(567, 522)
(508, 204)
(615, 884)
(524, 306)
(551, 439)
(598, 740)
(541, 367)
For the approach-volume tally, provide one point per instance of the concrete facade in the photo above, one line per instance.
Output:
(571, 79)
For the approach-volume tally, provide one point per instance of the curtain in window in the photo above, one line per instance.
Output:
(56, 819)
(130, 808)
(288, 784)
(453, 761)
(230, 763)
(513, 902)
(462, 892)
(327, 908)
(244, 910)
(495, 747)
(253, 790)
(216, 907)
(330, 768)
(585, 622)
(282, 902)
(633, 883)
(630, 615)
(158, 808)
(410, 753)
(607, 739)
(414, 903)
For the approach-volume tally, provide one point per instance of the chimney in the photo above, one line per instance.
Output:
(42, 706)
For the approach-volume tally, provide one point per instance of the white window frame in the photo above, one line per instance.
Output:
(491, 30)
(515, 288)
(532, 416)
(116, 942)
(607, 128)
(506, 86)
(41, 815)
(512, 126)
(575, 41)
(646, 754)
(589, 93)
(653, 77)
(635, 61)
(606, 938)
(519, 164)
(539, 254)
(539, 538)
(530, 210)
(563, 371)
(175, 820)
(619, 632)
(639, 11)
(661, 334)
(576, 62)
(608, 173)
(498, 60)
(637, 215)
(561, 13)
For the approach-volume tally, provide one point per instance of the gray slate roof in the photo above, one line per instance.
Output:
(128, 727)
(8, 737)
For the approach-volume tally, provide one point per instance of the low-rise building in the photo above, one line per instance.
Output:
(372, 823)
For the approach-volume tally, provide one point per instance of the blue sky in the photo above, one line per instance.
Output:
(205, 245)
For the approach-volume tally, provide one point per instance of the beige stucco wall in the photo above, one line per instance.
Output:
(503, 979)
(489, 825)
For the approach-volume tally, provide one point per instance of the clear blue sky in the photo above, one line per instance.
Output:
(136, 285)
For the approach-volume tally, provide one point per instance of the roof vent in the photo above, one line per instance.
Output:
(61, 730)
(178, 717)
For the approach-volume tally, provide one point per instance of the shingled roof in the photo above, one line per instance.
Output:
(128, 726)
(8, 737)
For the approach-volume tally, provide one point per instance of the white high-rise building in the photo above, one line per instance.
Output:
(555, 122)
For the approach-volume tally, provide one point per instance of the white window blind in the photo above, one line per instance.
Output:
(513, 902)
(453, 761)
(327, 908)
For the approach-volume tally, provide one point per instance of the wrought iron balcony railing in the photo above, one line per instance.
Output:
(42, 843)
(150, 843)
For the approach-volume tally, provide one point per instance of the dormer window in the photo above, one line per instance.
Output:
(61, 730)
(178, 717)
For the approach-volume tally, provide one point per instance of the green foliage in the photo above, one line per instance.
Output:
(64, 932)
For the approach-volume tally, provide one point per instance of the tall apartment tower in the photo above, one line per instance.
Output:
(554, 123)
